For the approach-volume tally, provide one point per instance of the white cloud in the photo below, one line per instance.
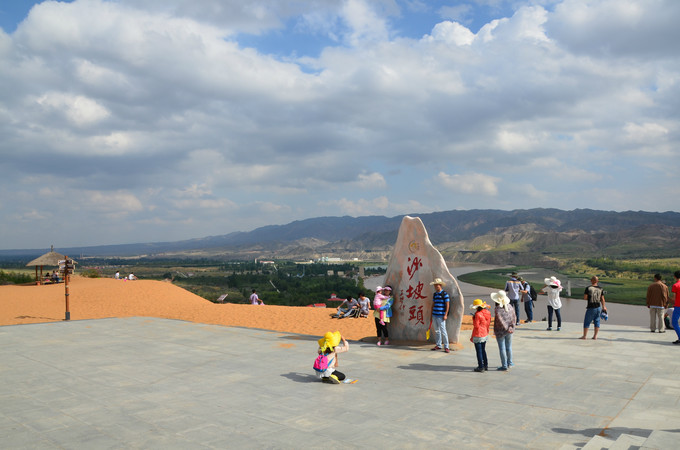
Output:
(173, 108)
(78, 109)
(470, 183)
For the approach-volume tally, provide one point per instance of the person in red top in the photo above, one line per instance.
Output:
(480, 333)
(675, 321)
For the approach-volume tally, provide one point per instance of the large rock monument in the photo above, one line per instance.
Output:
(414, 264)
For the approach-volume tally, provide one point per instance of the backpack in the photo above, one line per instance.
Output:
(533, 293)
(321, 363)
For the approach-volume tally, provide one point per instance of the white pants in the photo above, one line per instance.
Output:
(656, 319)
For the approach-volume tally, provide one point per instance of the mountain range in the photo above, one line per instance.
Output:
(491, 236)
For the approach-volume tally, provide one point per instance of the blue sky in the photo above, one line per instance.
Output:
(175, 119)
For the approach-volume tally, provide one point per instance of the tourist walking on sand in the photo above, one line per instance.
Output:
(480, 333)
(440, 312)
(552, 288)
(657, 302)
(382, 304)
(595, 307)
(254, 299)
(675, 319)
(329, 346)
(512, 287)
(503, 327)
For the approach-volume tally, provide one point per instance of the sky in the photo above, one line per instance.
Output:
(124, 121)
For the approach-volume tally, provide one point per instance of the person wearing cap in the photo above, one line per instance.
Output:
(552, 289)
(440, 312)
(512, 287)
(503, 327)
(330, 346)
(480, 333)
(595, 307)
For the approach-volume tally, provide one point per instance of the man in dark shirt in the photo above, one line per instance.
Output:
(596, 305)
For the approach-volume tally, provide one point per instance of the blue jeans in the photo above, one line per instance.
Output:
(557, 314)
(505, 349)
(480, 349)
(515, 304)
(675, 320)
(440, 332)
(592, 316)
(529, 309)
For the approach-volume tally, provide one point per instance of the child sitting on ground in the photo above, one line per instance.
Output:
(328, 346)
(480, 333)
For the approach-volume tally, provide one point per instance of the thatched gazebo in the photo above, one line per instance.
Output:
(50, 259)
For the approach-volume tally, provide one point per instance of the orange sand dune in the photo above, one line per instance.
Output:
(97, 298)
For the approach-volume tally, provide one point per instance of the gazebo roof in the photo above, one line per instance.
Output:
(50, 258)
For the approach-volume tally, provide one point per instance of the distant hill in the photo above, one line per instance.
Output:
(472, 235)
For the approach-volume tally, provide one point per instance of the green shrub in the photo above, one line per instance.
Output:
(14, 278)
(91, 273)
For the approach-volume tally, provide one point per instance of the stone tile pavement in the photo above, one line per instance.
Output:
(155, 383)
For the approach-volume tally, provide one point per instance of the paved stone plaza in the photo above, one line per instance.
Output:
(155, 383)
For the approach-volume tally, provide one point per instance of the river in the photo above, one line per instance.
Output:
(573, 309)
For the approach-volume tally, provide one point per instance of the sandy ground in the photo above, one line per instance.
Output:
(96, 298)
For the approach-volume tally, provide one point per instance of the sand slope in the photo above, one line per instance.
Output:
(96, 298)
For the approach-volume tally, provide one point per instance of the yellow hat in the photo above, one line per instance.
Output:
(330, 340)
(477, 303)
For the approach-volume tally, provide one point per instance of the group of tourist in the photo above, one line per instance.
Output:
(131, 277)
(506, 318)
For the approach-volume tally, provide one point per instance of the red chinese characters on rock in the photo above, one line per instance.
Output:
(416, 313)
(414, 293)
(416, 264)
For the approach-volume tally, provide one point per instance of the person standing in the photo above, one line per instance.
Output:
(382, 315)
(254, 299)
(552, 288)
(503, 327)
(480, 333)
(657, 302)
(596, 305)
(525, 292)
(675, 320)
(512, 287)
(440, 312)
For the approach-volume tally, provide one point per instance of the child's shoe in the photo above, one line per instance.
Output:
(548, 329)
(379, 343)
(386, 342)
(479, 369)
(333, 379)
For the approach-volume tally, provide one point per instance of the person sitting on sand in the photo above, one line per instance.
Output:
(364, 305)
(343, 309)
(352, 306)
(329, 346)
